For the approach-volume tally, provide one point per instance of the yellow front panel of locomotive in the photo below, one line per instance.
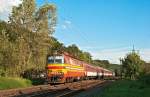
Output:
(57, 68)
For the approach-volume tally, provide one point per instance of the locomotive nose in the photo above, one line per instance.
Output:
(55, 77)
(55, 72)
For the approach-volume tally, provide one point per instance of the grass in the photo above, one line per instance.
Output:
(126, 88)
(9, 83)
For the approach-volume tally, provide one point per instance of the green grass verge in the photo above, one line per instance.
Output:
(126, 88)
(9, 83)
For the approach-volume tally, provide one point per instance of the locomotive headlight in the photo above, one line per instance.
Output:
(50, 70)
(59, 71)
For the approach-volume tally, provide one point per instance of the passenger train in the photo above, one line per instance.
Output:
(62, 68)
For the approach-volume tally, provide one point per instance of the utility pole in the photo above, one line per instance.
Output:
(135, 51)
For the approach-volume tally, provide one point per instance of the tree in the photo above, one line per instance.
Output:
(25, 40)
(56, 46)
(146, 68)
(45, 19)
(131, 65)
(76, 52)
(24, 14)
(102, 63)
(86, 56)
(40, 24)
(8, 49)
(42, 20)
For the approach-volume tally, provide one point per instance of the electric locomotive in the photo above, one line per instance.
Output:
(63, 68)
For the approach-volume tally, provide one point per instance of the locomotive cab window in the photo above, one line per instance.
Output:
(56, 59)
(50, 61)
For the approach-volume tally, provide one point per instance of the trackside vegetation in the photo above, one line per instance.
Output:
(128, 88)
(135, 80)
(10, 83)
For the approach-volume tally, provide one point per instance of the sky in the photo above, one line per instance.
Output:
(107, 29)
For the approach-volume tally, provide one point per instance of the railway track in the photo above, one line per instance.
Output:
(62, 90)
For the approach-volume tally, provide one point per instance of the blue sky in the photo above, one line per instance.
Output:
(104, 23)
(105, 28)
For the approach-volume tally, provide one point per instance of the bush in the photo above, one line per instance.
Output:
(145, 79)
(9, 83)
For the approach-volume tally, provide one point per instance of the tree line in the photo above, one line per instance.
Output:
(26, 40)
(133, 66)
(130, 67)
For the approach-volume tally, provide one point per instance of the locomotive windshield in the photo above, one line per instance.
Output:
(55, 59)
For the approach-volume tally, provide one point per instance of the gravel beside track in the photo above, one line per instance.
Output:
(61, 90)
(91, 92)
